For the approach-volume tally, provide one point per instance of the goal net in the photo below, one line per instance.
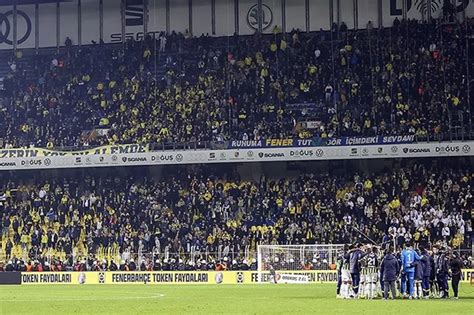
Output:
(290, 258)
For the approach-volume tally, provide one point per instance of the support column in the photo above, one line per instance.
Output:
(58, 26)
(306, 13)
(331, 13)
(145, 18)
(379, 13)
(15, 28)
(168, 25)
(101, 20)
(79, 23)
(236, 16)
(356, 13)
(283, 16)
(190, 16)
(213, 17)
(37, 27)
(404, 9)
(260, 16)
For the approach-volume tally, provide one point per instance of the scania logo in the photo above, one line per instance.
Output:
(6, 28)
(134, 159)
(466, 148)
(271, 155)
(7, 164)
(416, 150)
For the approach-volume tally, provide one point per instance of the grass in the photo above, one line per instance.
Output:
(212, 299)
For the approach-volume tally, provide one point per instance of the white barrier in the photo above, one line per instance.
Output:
(9, 161)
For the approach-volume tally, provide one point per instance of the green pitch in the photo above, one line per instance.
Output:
(212, 299)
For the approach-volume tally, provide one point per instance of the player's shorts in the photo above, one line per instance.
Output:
(372, 277)
(346, 275)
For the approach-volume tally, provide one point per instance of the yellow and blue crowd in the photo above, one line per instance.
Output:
(407, 79)
(201, 217)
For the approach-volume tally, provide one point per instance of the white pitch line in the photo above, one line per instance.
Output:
(59, 299)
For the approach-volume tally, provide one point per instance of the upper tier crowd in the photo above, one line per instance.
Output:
(196, 215)
(411, 78)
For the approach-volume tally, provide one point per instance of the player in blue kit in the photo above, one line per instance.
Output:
(409, 256)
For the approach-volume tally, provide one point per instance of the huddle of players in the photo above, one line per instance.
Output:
(417, 273)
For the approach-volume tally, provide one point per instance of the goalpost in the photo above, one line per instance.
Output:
(296, 258)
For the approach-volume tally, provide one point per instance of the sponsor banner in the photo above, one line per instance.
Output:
(59, 278)
(175, 277)
(41, 152)
(370, 140)
(315, 142)
(138, 155)
(286, 278)
(271, 143)
(303, 276)
(188, 277)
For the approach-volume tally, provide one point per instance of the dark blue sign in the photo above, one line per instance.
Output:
(317, 142)
(370, 140)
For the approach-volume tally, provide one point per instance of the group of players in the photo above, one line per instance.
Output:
(366, 271)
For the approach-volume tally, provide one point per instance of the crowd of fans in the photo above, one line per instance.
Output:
(407, 79)
(199, 218)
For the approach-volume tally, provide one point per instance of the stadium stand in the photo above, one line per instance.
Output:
(402, 80)
(209, 218)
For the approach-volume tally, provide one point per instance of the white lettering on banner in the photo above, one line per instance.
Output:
(13, 159)
(287, 278)
(246, 143)
(395, 139)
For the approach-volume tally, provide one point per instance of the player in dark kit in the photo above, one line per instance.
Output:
(426, 266)
(442, 270)
(340, 261)
(355, 255)
(455, 265)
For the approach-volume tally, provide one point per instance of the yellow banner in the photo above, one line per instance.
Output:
(179, 277)
(59, 278)
(107, 149)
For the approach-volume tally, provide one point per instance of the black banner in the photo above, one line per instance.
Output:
(10, 278)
